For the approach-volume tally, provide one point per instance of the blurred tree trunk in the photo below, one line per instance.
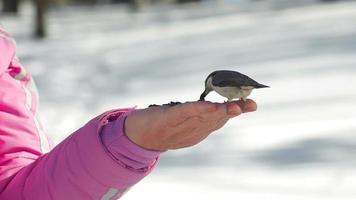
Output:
(136, 5)
(40, 27)
(120, 1)
(10, 6)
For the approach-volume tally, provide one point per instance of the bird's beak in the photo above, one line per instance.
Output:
(203, 95)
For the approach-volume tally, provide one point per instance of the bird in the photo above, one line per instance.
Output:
(230, 84)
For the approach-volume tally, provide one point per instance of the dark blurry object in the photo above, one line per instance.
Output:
(230, 84)
(120, 1)
(329, 0)
(40, 23)
(187, 1)
(90, 2)
(172, 103)
(137, 5)
(10, 6)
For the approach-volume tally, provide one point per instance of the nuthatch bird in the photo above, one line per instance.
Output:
(230, 84)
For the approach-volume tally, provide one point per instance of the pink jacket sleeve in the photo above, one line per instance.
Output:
(97, 161)
(81, 168)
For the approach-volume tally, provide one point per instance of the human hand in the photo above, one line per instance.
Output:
(164, 127)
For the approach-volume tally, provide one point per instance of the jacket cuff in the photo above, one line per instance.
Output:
(122, 149)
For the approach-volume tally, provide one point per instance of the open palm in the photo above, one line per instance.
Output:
(164, 127)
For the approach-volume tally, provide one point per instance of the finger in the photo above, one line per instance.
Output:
(224, 111)
(190, 109)
(247, 106)
(233, 109)
(198, 107)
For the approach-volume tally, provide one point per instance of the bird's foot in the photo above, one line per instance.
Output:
(243, 99)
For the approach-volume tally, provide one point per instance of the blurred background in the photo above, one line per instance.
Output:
(89, 56)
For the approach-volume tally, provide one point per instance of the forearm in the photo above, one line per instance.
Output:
(81, 167)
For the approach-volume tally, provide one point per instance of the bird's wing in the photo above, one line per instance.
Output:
(234, 79)
(223, 79)
(227, 82)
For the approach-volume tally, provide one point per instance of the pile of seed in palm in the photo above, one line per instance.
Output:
(172, 103)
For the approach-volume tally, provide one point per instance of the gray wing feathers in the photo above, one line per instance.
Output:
(232, 78)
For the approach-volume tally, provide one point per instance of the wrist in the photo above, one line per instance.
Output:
(137, 129)
(123, 149)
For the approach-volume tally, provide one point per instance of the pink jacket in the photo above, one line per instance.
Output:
(97, 161)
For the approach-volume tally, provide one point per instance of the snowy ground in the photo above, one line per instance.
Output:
(301, 143)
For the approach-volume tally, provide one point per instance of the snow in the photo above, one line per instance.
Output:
(301, 142)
